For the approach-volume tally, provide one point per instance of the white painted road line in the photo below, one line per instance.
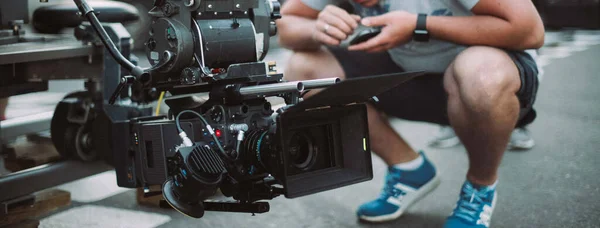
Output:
(94, 188)
(92, 216)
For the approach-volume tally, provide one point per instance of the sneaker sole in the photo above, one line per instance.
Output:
(418, 195)
(445, 143)
(525, 145)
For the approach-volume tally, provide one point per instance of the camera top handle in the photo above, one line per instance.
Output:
(138, 73)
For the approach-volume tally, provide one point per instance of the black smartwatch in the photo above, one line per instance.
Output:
(421, 34)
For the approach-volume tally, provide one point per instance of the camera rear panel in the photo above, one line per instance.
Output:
(157, 141)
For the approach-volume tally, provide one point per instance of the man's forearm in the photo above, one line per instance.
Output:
(295, 33)
(486, 30)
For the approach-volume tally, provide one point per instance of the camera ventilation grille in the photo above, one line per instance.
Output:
(205, 160)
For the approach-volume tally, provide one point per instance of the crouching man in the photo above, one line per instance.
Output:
(480, 80)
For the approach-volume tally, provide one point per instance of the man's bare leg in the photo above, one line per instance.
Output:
(387, 143)
(483, 107)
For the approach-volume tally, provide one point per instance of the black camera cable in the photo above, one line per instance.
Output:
(188, 142)
(138, 73)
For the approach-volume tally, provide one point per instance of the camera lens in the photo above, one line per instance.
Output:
(302, 151)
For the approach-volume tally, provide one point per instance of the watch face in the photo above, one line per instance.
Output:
(421, 32)
(421, 35)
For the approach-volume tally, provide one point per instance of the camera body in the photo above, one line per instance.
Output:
(194, 44)
(235, 141)
(303, 149)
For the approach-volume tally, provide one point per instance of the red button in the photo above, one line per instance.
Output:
(218, 133)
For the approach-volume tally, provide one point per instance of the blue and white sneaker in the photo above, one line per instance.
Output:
(474, 207)
(401, 190)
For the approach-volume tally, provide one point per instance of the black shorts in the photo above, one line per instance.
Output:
(424, 98)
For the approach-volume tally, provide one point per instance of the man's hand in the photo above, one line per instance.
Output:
(333, 25)
(398, 28)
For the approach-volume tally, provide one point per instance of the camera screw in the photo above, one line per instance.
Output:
(171, 33)
(151, 44)
(210, 6)
(167, 9)
(153, 93)
(178, 180)
(237, 6)
(272, 65)
(16, 27)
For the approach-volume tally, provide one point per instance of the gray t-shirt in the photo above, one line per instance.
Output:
(432, 56)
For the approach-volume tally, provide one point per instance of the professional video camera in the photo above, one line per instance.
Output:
(233, 141)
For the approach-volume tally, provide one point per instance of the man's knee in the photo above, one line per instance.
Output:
(312, 65)
(298, 66)
(484, 76)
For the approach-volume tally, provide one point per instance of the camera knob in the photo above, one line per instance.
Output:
(151, 44)
(188, 3)
(272, 29)
(178, 180)
(190, 75)
(275, 7)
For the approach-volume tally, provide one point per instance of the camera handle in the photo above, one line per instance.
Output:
(221, 205)
(126, 80)
(254, 208)
(246, 205)
(230, 206)
(138, 73)
(87, 11)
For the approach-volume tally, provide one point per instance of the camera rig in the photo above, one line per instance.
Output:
(235, 141)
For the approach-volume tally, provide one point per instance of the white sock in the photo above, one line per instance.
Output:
(493, 186)
(411, 165)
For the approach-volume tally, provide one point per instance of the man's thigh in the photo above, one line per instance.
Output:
(307, 65)
(420, 99)
(424, 98)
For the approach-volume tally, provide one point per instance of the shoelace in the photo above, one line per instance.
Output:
(470, 203)
(389, 189)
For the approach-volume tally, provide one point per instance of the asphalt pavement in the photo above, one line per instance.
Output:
(555, 184)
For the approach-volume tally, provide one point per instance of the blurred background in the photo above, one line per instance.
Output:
(553, 184)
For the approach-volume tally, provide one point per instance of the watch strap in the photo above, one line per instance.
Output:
(421, 34)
